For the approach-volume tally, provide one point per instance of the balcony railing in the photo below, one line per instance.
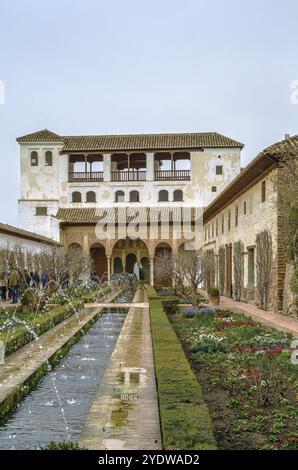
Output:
(172, 175)
(131, 175)
(85, 177)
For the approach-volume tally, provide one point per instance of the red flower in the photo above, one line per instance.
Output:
(291, 439)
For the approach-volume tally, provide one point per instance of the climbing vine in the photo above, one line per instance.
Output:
(238, 262)
(222, 269)
(264, 266)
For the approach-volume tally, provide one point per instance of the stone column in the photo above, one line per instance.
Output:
(107, 167)
(151, 271)
(86, 244)
(150, 166)
(109, 269)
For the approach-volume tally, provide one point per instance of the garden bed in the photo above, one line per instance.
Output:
(247, 378)
(18, 328)
(184, 415)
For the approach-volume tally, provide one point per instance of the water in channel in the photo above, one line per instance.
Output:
(57, 409)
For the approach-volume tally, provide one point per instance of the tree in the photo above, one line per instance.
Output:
(209, 269)
(238, 262)
(59, 264)
(264, 266)
(186, 269)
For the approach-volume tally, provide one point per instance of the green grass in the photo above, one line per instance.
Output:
(185, 418)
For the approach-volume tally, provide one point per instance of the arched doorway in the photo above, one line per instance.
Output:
(130, 261)
(99, 260)
(145, 271)
(118, 267)
(162, 254)
(130, 254)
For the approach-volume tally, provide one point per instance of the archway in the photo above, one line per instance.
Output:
(74, 248)
(118, 267)
(99, 260)
(145, 271)
(129, 253)
(130, 261)
(162, 278)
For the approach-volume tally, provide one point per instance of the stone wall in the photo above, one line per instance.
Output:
(241, 220)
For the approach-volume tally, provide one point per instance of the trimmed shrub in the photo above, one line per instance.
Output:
(171, 306)
(185, 418)
(213, 291)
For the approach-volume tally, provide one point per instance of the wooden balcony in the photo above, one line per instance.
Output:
(131, 175)
(85, 177)
(172, 175)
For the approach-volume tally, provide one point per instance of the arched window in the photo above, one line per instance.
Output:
(49, 158)
(163, 196)
(178, 195)
(34, 158)
(134, 196)
(90, 196)
(119, 196)
(76, 196)
(74, 248)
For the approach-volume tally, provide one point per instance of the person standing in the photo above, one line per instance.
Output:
(3, 286)
(44, 279)
(14, 285)
(36, 279)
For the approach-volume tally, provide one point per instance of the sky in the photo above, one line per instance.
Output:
(136, 66)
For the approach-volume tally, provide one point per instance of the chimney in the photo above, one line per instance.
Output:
(287, 136)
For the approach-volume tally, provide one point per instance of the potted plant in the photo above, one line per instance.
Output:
(213, 295)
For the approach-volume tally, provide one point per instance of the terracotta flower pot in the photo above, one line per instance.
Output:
(214, 299)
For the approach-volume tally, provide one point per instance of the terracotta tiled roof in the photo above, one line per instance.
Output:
(19, 232)
(41, 136)
(82, 215)
(260, 165)
(106, 143)
(286, 145)
(149, 142)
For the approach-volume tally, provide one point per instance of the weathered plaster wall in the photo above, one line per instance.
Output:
(13, 241)
(49, 186)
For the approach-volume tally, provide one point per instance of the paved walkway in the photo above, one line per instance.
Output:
(269, 318)
(124, 415)
(19, 366)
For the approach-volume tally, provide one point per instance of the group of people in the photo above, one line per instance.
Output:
(13, 282)
(9, 285)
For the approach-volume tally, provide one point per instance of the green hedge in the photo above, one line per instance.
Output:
(185, 419)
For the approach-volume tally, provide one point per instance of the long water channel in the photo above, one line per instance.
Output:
(57, 409)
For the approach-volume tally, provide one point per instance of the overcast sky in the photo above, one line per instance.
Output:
(135, 66)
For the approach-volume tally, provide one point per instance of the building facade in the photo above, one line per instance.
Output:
(66, 180)
(248, 206)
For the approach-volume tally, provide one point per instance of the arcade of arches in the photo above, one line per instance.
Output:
(124, 255)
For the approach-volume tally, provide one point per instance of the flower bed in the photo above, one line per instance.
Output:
(247, 377)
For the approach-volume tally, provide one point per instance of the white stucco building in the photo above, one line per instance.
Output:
(13, 237)
(65, 180)
(59, 172)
